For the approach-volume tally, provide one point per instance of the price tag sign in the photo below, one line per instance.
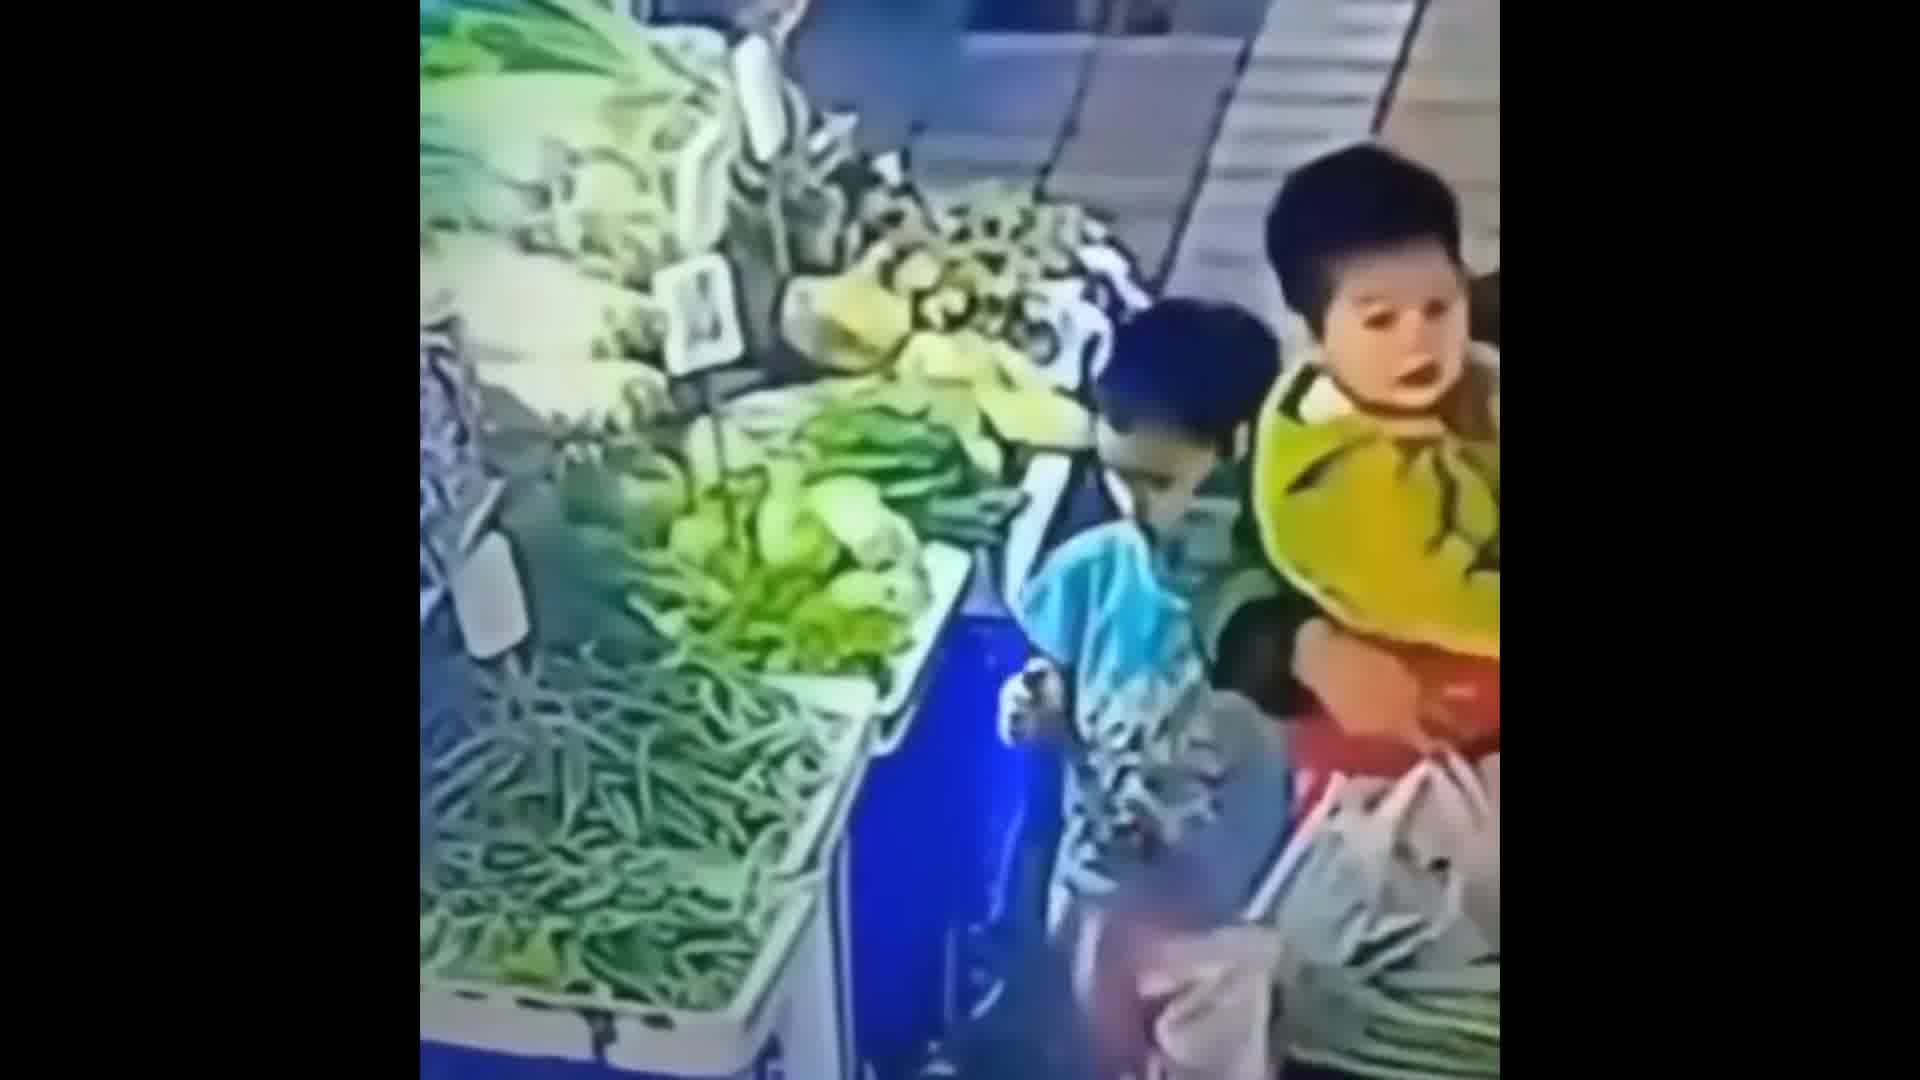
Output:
(891, 168)
(703, 315)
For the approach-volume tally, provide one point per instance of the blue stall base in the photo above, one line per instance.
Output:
(930, 836)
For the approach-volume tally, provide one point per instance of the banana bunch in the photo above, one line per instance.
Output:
(979, 308)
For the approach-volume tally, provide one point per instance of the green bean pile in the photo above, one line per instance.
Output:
(616, 830)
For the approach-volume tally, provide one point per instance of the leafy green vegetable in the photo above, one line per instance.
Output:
(752, 571)
(560, 126)
(637, 498)
(922, 469)
(473, 40)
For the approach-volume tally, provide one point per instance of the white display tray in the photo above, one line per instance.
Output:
(672, 1042)
(721, 1042)
(1045, 483)
(947, 570)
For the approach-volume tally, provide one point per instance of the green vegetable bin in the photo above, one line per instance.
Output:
(677, 1042)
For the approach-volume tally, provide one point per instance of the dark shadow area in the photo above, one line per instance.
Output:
(1033, 16)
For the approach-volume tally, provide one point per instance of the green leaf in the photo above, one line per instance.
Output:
(448, 57)
(536, 44)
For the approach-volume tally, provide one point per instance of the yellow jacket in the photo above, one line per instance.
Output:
(1394, 537)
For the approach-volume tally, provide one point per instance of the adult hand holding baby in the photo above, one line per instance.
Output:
(1368, 690)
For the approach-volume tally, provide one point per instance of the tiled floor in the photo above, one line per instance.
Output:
(1002, 107)
(1117, 124)
(1447, 112)
(1313, 82)
(1128, 126)
(1141, 132)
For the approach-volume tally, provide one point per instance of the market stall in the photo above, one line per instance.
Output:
(719, 416)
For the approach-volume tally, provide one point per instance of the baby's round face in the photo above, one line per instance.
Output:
(1396, 331)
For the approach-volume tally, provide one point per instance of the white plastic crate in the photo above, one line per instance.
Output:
(492, 1021)
(659, 1039)
(651, 1039)
(947, 570)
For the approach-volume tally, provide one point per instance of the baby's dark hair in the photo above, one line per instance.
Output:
(1362, 199)
(1198, 367)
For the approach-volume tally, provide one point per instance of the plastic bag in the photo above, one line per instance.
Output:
(1376, 935)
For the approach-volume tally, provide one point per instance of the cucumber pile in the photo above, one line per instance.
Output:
(921, 469)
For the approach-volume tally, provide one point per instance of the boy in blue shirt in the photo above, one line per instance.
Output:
(1176, 793)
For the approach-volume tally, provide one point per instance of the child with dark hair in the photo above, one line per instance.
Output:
(1376, 478)
(1376, 491)
(1176, 793)
(1198, 369)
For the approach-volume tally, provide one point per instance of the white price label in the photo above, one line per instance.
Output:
(891, 168)
(703, 315)
(488, 601)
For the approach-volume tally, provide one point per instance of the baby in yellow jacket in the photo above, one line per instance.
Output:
(1376, 482)
(1376, 489)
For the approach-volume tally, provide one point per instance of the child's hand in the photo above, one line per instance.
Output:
(1368, 690)
(1033, 704)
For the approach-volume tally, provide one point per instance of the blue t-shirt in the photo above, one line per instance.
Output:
(1175, 791)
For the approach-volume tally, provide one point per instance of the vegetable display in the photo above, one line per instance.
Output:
(992, 259)
(570, 154)
(612, 811)
(764, 567)
(617, 830)
(559, 131)
(986, 309)
(977, 258)
(615, 808)
(918, 469)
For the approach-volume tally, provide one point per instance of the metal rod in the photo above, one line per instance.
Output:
(712, 407)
